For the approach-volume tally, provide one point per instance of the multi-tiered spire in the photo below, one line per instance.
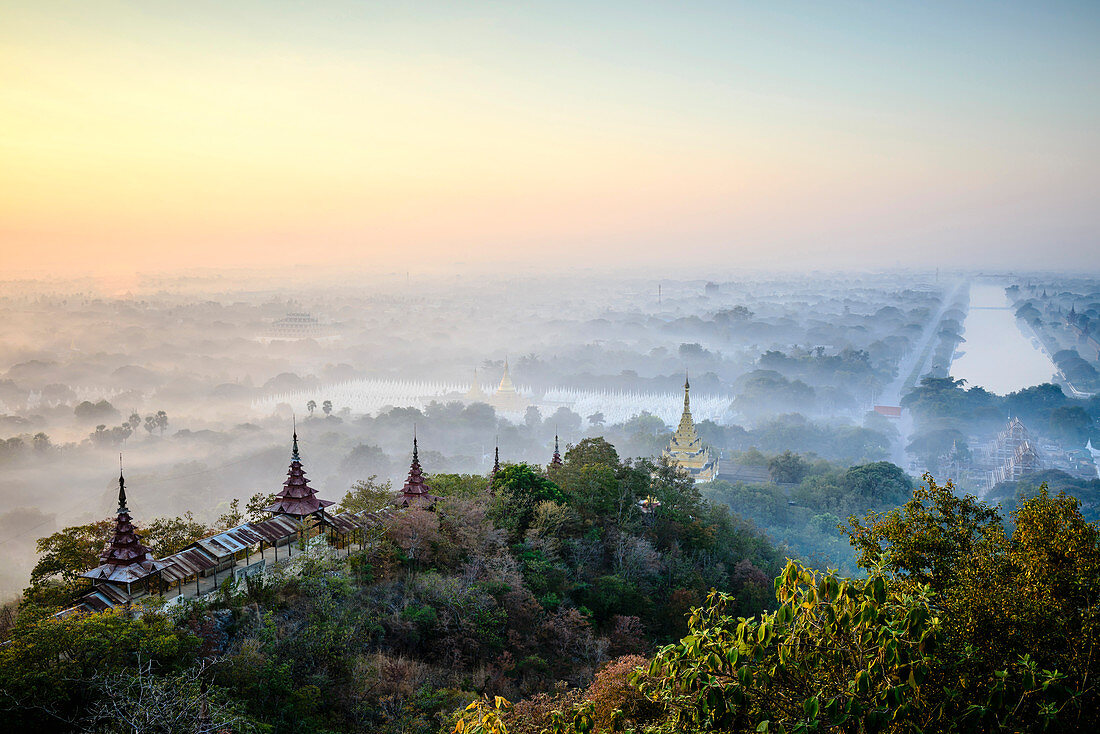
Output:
(297, 498)
(475, 394)
(686, 420)
(556, 460)
(416, 492)
(507, 398)
(495, 471)
(125, 559)
(686, 450)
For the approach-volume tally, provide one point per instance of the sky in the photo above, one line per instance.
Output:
(158, 136)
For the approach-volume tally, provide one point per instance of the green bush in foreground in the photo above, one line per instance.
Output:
(855, 654)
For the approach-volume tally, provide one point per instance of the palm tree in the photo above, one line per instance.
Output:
(311, 406)
(327, 407)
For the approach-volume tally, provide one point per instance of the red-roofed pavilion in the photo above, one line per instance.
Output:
(297, 498)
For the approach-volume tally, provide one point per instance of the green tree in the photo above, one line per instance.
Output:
(856, 655)
(787, 467)
(232, 517)
(51, 669)
(64, 556)
(518, 490)
(1002, 594)
(595, 451)
(368, 495)
(929, 539)
(454, 486)
(255, 509)
(168, 535)
(876, 484)
(1071, 423)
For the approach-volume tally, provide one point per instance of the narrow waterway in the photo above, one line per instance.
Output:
(996, 354)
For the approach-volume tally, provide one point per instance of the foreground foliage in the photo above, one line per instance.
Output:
(961, 625)
(514, 593)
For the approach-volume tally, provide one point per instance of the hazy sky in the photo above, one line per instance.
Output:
(152, 135)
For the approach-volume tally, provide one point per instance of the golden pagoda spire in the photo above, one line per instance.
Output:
(686, 450)
(506, 384)
(685, 433)
(507, 398)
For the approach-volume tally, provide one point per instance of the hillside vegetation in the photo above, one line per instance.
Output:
(514, 589)
(551, 602)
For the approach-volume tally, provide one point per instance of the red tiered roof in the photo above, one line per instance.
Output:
(125, 559)
(556, 460)
(416, 492)
(297, 498)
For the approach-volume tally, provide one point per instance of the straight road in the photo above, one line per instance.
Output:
(922, 353)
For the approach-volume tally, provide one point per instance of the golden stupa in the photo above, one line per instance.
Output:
(475, 394)
(506, 398)
(686, 449)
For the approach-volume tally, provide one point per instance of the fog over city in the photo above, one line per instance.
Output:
(549, 367)
(229, 363)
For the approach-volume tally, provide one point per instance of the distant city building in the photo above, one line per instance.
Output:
(686, 449)
(1003, 447)
(745, 473)
(299, 326)
(1013, 454)
(955, 465)
(1024, 460)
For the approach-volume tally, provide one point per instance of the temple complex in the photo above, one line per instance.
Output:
(1013, 454)
(1024, 460)
(297, 498)
(128, 569)
(686, 449)
(299, 326)
(125, 560)
(416, 492)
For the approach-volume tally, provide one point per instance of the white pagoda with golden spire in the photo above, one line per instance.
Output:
(506, 398)
(686, 449)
